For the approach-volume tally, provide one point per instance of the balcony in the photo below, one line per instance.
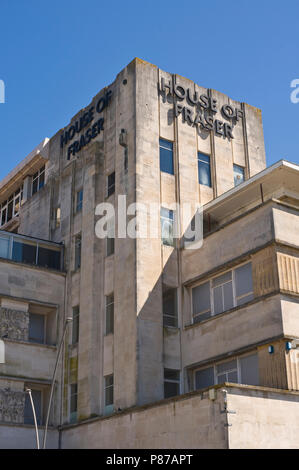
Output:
(28, 250)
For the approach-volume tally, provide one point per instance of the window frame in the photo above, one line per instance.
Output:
(205, 163)
(161, 140)
(76, 317)
(108, 409)
(42, 402)
(73, 414)
(79, 201)
(106, 313)
(211, 290)
(175, 381)
(235, 166)
(110, 241)
(14, 197)
(167, 219)
(175, 317)
(223, 361)
(77, 254)
(110, 187)
(44, 328)
(36, 177)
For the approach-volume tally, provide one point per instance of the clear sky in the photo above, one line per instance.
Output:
(56, 55)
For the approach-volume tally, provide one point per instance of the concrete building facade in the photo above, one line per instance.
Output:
(164, 340)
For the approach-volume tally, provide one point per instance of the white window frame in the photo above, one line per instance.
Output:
(210, 281)
(18, 194)
(40, 172)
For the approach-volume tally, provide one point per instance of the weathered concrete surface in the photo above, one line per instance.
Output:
(23, 437)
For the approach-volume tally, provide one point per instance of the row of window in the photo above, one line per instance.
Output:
(203, 161)
(11, 207)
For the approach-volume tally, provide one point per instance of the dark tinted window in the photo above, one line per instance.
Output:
(166, 156)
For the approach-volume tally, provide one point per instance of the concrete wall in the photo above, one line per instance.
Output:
(23, 437)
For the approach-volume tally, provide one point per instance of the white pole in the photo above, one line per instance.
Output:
(28, 390)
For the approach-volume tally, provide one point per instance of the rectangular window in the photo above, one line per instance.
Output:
(36, 328)
(111, 184)
(222, 293)
(79, 200)
(108, 394)
(38, 180)
(243, 370)
(166, 156)
(201, 302)
(227, 372)
(109, 314)
(77, 252)
(75, 325)
(37, 402)
(167, 226)
(110, 237)
(170, 317)
(239, 174)
(73, 402)
(204, 378)
(57, 217)
(204, 169)
(244, 286)
(11, 207)
(171, 383)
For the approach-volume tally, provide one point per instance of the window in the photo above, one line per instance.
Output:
(57, 217)
(204, 169)
(77, 252)
(11, 207)
(73, 402)
(37, 402)
(126, 160)
(36, 328)
(38, 180)
(166, 156)
(111, 184)
(108, 393)
(170, 308)
(222, 293)
(167, 225)
(239, 174)
(110, 237)
(79, 200)
(243, 370)
(75, 325)
(171, 383)
(109, 314)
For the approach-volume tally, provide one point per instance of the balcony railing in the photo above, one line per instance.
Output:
(22, 249)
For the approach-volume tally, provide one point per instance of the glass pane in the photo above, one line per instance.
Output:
(109, 315)
(167, 226)
(166, 157)
(172, 374)
(36, 328)
(171, 389)
(48, 258)
(73, 398)
(228, 296)
(204, 172)
(204, 378)
(34, 186)
(109, 396)
(222, 279)
(221, 378)
(4, 247)
(37, 402)
(201, 298)
(227, 366)
(75, 328)
(249, 370)
(110, 246)
(238, 175)
(243, 277)
(41, 181)
(218, 300)
(23, 252)
(111, 183)
(170, 321)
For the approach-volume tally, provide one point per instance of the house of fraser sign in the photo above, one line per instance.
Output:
(199, 110)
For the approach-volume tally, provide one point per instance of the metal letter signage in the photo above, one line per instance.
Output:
(201, 109)
(83, 123)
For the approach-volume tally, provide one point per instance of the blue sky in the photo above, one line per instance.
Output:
(55, 56)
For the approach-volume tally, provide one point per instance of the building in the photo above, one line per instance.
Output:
(169, 347)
